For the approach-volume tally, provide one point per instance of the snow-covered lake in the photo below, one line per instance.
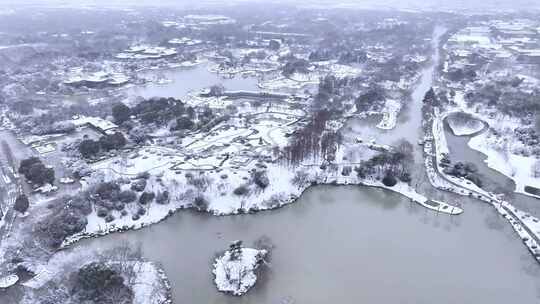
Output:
(349, 245)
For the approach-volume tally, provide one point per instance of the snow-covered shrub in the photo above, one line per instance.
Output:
(241, 190)
(274, 200)
(61, 223)
(36, 172)
(200, 203)
(260, 179)
(100, 283)
(346, 171)
(300, 178)
(21, 203)
(389, 180)
(138, 185)
(146, 197)
(80, 169)
(143, 175)
(82, 203)
(127, 196)
(102, 212)
(107, 190)
(162, 197)
(118, 206)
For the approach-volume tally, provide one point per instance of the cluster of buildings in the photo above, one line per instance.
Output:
(499, 40)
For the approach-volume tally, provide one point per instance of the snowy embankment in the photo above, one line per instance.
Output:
(236, 274)
(228, 191)
(403, 189)
(525, 225)
(516, 167)
(500, 149)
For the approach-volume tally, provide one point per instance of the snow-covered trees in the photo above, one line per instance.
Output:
(36, 172)
(365, 101)
(260, 178)
(183, 123)
(127, 196)
(389, 180)
(295, 66)
(99, 283)
(121, 113)
(430, 98)
(112, 141)
(21, 203)
(146, 197)
(200, 203)
(393, 164)
(66, 220)
(313, 140)
(466, 170)
(216, 90)
(138, 185)
(162, 197)
(89, 148)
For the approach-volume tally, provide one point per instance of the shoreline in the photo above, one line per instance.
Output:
(292, 198)
(529, 231)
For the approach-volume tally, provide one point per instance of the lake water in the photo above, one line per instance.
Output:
(185, 80)
(349, 245)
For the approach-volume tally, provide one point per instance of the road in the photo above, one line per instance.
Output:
(10, 186)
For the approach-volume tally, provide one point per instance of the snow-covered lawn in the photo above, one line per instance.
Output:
(390, 114)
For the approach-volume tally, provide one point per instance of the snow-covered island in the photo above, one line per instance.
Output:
(234, 271)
